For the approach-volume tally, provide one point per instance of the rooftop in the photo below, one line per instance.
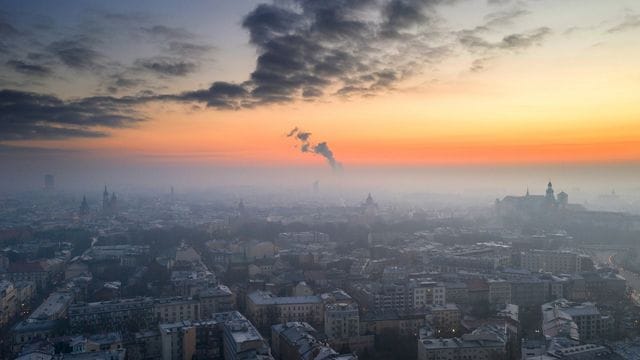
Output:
(51, 308)
(267, 298)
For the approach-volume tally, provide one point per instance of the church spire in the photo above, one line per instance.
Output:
(84, 206)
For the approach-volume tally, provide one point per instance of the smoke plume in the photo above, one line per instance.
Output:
(322, 148)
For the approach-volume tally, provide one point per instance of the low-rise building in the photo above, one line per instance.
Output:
(243, 341)
(54, 307)
(553, 261)
(426, 293)
(225, 335)
(171, 310)
(216, 299)
(112, 315)
(445, 319)
(8, 302)
(403, 323)
(40, 272)
(373, 296)
(265, 309)
(579, 321)
(485, 343)
(499, 291)
(298, 340)
(457, 292)
(529, 292)
(341, 320)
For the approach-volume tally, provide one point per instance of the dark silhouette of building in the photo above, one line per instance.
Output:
(550, 194)
(109, 203)
(369, 207)
(84, 207)
(535, 206)
(242, 210)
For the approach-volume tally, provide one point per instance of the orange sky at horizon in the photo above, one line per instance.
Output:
(453, 124)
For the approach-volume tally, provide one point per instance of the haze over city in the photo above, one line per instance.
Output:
(320, 179)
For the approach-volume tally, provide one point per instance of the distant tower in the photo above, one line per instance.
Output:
(316, 187)
(242, 210)
(527, 191)
(113, 202)
(49, 182)
(563, 199)
(370, 207)
(550, 196)
(369, 201)
(105, 200)
(84, 207)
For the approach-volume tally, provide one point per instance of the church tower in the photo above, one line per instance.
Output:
(113, 203)
(84, 207)
(550, 195)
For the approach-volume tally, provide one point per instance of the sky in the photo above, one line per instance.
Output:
(124, 87)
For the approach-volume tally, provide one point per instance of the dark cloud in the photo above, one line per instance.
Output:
(266, 22)
(520, 41)
(123, 81)
(7, 29)
(305, 49)
(504, 18)
(221, 95)
(188, 49)
(474, 42)
(479, 65)
(25, 115)
(167, 66)
(29, 69)
(630, 22)
(474, 39)
(167, 32)
(76, 54)
(401, 15)
(121, 18)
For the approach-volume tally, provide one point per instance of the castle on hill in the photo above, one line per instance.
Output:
(536, 204)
